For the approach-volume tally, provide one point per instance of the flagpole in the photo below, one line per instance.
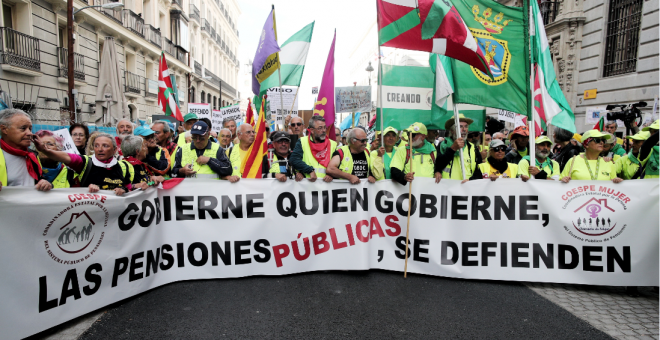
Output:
(405, 266)
(380, 98)
(457, 125)
(532, 130)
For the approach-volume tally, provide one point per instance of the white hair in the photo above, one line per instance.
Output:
(7, 114)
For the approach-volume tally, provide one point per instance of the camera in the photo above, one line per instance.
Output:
(626, 113)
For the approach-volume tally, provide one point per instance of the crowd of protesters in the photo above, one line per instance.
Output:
(142, 156)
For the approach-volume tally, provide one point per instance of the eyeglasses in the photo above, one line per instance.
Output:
(50, 145)
(296, 124)
(361, 140)
(320, 128)
(499, 149)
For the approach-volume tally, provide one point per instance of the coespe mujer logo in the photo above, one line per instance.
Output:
(593, 210)
(77, 231)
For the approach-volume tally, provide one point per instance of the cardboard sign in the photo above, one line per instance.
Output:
(67, 145)
(202, 110)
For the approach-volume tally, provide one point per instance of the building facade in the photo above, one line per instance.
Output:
(33, 54)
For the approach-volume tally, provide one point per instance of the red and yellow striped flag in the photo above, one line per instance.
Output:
(249, 115)
(252, 164)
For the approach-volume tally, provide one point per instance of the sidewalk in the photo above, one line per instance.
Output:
(608, 309)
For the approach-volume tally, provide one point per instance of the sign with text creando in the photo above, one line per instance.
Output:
(84, 251)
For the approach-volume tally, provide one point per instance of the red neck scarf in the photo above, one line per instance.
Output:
(321, 151)
(30, 159)
(134, 161)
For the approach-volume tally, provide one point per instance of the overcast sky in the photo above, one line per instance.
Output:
(351, 18)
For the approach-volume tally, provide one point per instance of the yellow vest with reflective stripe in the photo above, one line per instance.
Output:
(470, 159)
(235, 160)
(3, 169)
(346, 164)
(189, 156)
(511, 171)
(309, 159)
(275, 165)
(61, 181)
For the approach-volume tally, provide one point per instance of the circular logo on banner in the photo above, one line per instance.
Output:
(75, 233)
(594, 211)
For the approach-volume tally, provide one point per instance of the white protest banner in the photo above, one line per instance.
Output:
(289, 97)
(231, 112)
(200, 109)
(506, 116)
(67, 144)
(216, 120)
(84, 251)
(353, 99)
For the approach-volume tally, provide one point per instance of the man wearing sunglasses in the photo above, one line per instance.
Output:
(201, 158)
(496, 165)
(545, 167)
(352, 161)
(311, 155)
(422, 155)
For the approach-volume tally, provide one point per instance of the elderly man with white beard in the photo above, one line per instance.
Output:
(422, 154)
(544, 168)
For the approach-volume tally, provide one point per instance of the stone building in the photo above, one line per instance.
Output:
(33, 53)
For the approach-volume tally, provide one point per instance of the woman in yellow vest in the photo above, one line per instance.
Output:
(387, 152)
(590, 165)
(59, 175)
(495, 165)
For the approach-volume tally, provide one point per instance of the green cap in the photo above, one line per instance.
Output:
(189, 116)
(655, 126)
(391, 129)
(417, 128)
(543, 139)
(595, 134)
(642, 135)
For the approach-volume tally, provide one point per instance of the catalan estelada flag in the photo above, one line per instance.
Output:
(252, 164)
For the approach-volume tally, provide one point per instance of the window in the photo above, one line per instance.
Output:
(7, 16)
(622, 40)
(215, 100)
(209, 98)
(203, 97)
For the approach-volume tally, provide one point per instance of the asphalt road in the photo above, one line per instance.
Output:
(366, 305)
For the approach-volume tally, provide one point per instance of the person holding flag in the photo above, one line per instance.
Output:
(312, 153)
(250, 158)
(449, 161)
(422, 153)
(544, 168)
(201, 158)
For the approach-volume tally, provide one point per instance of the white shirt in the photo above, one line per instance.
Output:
(17, 173)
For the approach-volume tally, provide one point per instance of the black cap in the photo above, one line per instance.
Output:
(279, 135)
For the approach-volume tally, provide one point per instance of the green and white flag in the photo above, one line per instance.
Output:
(293, 56)
(550, 105)
(443, 89)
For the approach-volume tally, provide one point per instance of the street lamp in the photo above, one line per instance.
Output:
(369, 69)
(116, 6)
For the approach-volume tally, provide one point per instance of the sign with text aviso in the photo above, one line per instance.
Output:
(290, 100)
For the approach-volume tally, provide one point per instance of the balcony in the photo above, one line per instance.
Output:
(78, 64)
(133, 22)
(194, 13)
(198, 69)
(178, 3)
(173, 50)
(218, 40)
(213, 33)
(132, 83)
(19, 50)
(151, 90)
(152, 35)
(549, 11)
(206, 27)
(116, 16)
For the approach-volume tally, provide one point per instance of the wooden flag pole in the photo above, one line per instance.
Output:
(405, 267)
(457, 126)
